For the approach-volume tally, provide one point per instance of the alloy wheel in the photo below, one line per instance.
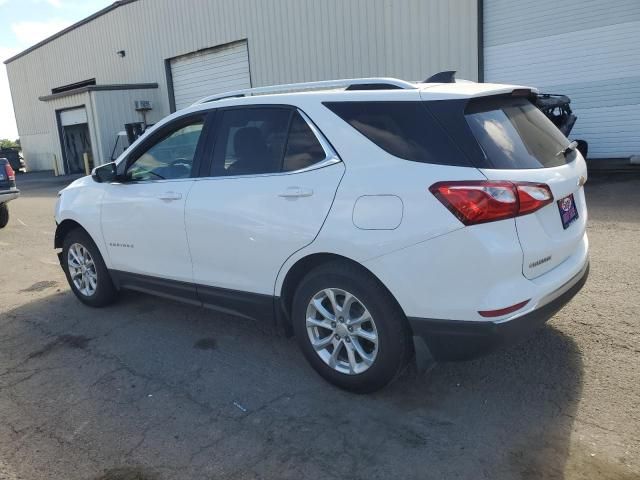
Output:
(82, 269)
(342, 331)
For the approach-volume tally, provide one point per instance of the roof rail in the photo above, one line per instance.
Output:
(365, 83)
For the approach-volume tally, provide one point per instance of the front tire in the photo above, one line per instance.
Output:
(350, 328)
(86, 271)
(4, 215)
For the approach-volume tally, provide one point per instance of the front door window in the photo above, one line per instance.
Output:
(170, 158)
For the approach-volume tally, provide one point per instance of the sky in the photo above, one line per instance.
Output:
(24, 23)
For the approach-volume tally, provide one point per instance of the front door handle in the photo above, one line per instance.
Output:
(170, 196)
(296, 192)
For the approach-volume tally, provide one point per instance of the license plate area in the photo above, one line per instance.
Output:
(568, 210)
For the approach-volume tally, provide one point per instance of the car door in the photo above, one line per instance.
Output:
(271, 184)
(143, 214)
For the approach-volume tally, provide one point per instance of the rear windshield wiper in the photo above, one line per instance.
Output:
(569, 148)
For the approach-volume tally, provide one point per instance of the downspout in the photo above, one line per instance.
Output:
(96, 142)
(480, 16)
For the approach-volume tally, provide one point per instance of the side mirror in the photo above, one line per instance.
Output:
(105, 173)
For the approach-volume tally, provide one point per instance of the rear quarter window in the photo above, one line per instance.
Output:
(406, 130)
(303, 147)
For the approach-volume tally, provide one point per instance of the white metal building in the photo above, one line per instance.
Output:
(586, 49)
(76, 90)
(173, 52)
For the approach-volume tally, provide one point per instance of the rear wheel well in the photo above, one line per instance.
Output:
(303, 266)
(63, 230)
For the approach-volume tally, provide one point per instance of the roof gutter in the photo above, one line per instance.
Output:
(90, 18)
(99, 88)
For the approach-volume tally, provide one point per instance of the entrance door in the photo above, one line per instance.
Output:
(76, 140)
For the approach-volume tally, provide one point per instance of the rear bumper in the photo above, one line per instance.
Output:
(8, 195)
(463, 340)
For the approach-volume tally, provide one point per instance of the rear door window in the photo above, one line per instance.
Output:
(406, 130)
(251, 141)
(514, 134)
(260, 140)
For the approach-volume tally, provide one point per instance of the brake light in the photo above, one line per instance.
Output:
(521, 92)
(11, 175)
(482, 201)
(532, 197)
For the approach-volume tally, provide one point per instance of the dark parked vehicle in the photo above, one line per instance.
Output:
(557, 108)
(15, 159)
(8, 190)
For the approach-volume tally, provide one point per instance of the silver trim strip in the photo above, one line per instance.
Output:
(550, 297)
(331, 158)
(567, 286)
(324, 143)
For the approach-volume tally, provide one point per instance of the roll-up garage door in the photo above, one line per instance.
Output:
(76, 116)
(586, 49)
(207, 72)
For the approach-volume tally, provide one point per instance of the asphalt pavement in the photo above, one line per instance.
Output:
(152, 389)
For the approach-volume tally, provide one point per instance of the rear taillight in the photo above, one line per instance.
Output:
(11, 175)
(482, 201)
(532, 197)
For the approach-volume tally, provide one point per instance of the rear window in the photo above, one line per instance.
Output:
(404, 129)
(514, 134)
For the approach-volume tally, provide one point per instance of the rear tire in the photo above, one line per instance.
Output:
(86, 271)
(358, 355)
(4, 215)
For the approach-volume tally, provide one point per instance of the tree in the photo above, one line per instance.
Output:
(6, 143)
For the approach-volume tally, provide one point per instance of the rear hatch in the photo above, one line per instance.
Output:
(519, 143)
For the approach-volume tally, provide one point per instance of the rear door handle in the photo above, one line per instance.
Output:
(295, 192)
(170, 196)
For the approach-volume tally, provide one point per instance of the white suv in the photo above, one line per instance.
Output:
(377, 219)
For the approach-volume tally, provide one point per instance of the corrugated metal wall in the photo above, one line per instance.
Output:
(289, 41)
(43, 146)
(587, 49)
(112, 109)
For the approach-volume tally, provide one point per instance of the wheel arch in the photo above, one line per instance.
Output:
(63, 229)
(306, 264)
(92, 229)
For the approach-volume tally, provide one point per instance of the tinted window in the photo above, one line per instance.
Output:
(403, 129)
(170, 158)
(251, 141)
(513, 133)
(303, 147)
